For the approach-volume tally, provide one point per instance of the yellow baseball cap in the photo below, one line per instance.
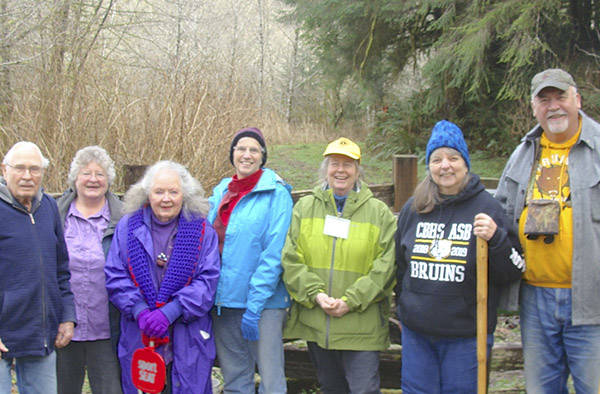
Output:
(343, 146)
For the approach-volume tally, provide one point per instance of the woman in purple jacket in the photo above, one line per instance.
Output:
(162, 272)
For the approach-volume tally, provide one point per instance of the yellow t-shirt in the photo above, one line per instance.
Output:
(549, 265)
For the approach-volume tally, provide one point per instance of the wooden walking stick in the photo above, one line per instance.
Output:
(482, 296)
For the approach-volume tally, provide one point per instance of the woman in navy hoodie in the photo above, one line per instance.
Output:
(436, 259)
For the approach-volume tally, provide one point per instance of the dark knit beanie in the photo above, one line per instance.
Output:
(447, 134)
(251, 132)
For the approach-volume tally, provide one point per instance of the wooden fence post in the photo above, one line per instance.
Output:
(405, 179)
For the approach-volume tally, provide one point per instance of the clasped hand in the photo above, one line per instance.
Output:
(335, 307)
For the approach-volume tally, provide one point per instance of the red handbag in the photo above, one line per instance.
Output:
(148, 370)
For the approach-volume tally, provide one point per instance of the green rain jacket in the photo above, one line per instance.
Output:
(359, 269)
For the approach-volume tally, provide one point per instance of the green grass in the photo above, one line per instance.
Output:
(487, 166)
(298, 164)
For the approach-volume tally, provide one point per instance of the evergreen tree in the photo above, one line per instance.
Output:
(476, 58)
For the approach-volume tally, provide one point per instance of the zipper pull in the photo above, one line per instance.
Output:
(32, 219)
(218, 310)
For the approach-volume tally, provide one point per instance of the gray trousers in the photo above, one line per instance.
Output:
(345, 371)
(100, 360)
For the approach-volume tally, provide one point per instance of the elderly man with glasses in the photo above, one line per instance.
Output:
(37, 313)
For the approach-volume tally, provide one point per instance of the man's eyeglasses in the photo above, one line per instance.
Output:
(20, 169)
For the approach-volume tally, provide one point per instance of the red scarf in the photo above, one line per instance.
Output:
(236, 189)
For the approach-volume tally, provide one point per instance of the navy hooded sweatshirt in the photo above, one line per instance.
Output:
(436, 259)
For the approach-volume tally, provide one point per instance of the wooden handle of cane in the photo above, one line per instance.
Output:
(482, 296)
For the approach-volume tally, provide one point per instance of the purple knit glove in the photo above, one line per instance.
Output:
(142, 319)
(157, 324)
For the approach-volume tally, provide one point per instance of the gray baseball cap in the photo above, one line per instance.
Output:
(552, 77)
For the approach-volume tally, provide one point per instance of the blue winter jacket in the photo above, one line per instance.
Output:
(251, 259)
(35, 295)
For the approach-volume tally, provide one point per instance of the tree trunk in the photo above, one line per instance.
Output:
(52, 93)
(5, 46)
(234, 45)
(292, 81)
(261, 43)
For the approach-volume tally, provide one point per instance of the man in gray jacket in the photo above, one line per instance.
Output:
(550, 188)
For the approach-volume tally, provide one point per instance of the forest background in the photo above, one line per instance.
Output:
(158, 79)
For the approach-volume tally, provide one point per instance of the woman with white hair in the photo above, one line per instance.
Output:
(89, 213)
(162, 272)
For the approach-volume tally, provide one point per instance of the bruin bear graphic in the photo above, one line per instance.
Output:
(440, 249)
(549, 181)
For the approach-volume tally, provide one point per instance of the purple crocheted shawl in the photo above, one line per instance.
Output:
(183, 261)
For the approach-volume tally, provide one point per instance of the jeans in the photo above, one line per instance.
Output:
(434, 365)
(238, 357)
(35, 375)
(345, 371)
(100, 360)
(553, 347)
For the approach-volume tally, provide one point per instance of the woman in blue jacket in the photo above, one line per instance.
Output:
(251, 213)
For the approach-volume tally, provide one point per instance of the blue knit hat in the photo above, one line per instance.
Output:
(447, 134)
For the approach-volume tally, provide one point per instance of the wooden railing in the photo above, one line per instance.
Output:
(298, 366)
(404, 181)
(394, 194)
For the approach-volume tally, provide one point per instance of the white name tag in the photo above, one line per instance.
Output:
(336, 227)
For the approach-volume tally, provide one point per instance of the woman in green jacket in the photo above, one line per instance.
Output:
(338, 263)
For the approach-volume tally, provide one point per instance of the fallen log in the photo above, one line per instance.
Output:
(299, 368)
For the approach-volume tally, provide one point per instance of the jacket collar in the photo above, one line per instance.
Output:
(268, 181)
(472, 188)
(114, 206)
(355, 199)
(587, 124)
(6, 196)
